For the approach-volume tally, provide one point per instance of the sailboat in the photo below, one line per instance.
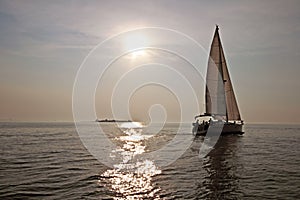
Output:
(221, 108)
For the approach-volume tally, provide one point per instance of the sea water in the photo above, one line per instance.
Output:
(49, 161)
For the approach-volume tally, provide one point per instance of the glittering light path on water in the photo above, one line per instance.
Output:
(131, 179)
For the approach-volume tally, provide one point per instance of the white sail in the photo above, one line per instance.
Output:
(219, 95)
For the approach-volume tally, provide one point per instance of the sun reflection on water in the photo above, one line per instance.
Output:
(132, 178)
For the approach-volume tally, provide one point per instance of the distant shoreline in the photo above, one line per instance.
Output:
(111, 120)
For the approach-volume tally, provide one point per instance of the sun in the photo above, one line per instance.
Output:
(136, 44)
(138, 53)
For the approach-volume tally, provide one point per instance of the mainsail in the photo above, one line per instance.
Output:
(219, 96)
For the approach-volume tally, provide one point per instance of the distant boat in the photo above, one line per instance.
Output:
(220, 102)
(111, 120)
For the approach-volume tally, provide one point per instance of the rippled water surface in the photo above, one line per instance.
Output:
(48, 161)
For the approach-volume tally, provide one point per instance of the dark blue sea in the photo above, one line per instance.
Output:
(49, 161)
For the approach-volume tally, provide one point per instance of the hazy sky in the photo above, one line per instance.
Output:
(43, 43)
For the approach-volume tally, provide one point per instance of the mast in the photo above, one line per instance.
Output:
(221, 67)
